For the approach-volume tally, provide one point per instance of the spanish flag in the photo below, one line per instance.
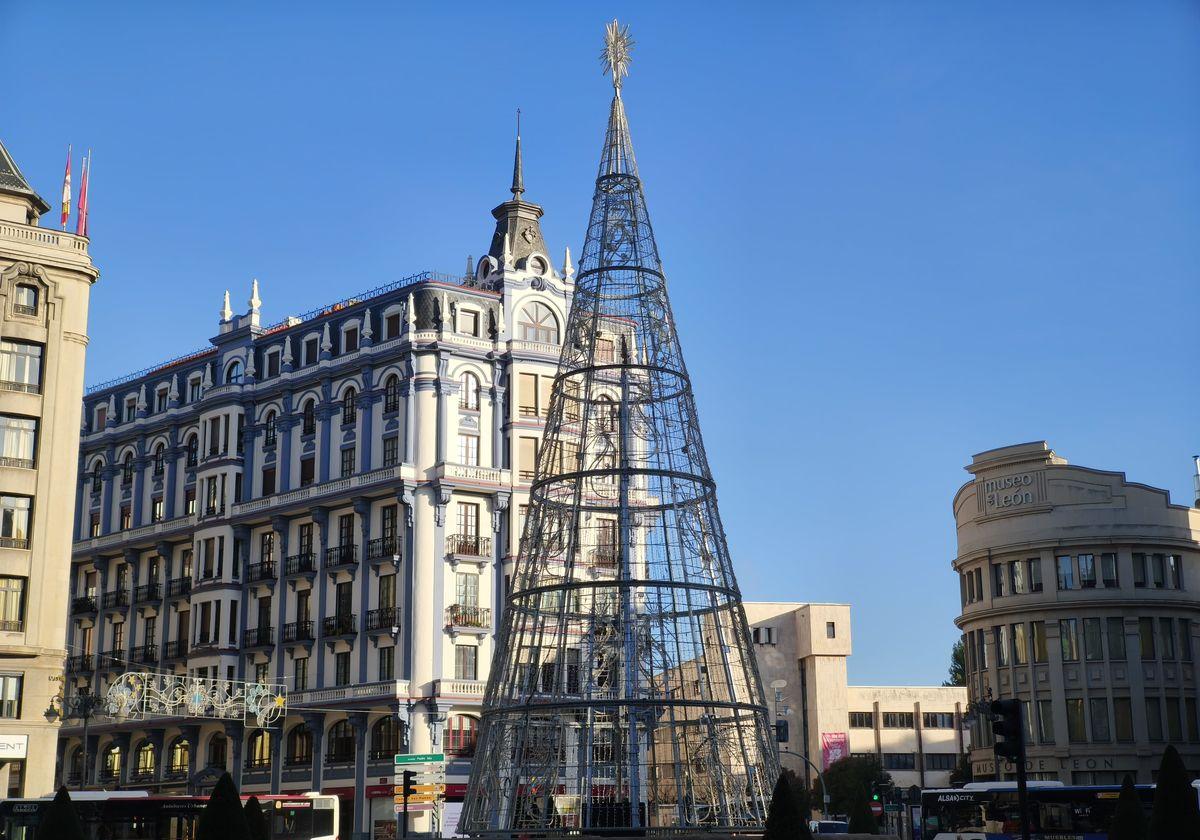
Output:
(66, 193)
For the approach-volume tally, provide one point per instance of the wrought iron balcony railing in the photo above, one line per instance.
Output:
(383, 548)
(470, 545)
(341, 555)
(339, 757)
(300, 563)
(80, 662)
(259, 637)
(83, 604)
(340, 625)
(261, 571)
(112, 659)
(22, 387)
(14, 542)
(468, 615)
(384, 618)
(604, 558)
(12, 625)
(117, 598)
(176, 649)
(178, 587)
(147, 654)
(19, 463)
(147, 592)
(257, 762)
(298, 631)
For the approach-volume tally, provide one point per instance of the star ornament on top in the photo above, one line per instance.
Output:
(618, 48)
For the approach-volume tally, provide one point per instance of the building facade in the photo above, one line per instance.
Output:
(1078, 598)
(917, 732)
(330, 503)
(45, 284)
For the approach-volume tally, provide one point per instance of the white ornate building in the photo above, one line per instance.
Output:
(331, 503)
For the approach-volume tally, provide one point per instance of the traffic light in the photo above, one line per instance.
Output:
(407, 783)
(781, 731)
(1009, 730)
(875, 792)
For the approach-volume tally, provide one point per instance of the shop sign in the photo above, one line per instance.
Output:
(13, 747)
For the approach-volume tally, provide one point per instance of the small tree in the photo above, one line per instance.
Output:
(783, 817)
(1175, 814)
(849, 777)
(256, 820)
(958, 666)
(862, 821)
(800, 793)
(223, 817)
(1129, 821)
(59, 820)
(963, 773)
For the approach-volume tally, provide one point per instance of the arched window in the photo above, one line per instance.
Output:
(97, 477)
(145, 761)
(269, 429)
(159, 452)
(26, 302)
(538, 324)
(461, 731)
(110, 763)
(468, 391)
(349, 407)
(259, 752)
(75, 764)
(385, 739)
(391, 393)
(217, 750)
(340, 742)
(180, 758)
(309, 414)
(233, 373)
(299, 746)
(193, 450)
(127, 469)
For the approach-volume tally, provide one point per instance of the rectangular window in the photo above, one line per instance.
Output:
(1068, 629)
(998, 580)
(465, 662)
(266, 546)
(156, 510)
(1116, 639)
(300, 674)
(160, 400)
(350, 340)
(12, 604)
(937, 720)
(468, 519)
(1039, 642)
(1185, 639)
(1123, 719)
(1087, 571)
(130, 409)
(1020, 645)
(468, 322)
(391, 326)
(1174, 720)
(20, 366)
(348, 455)
(18, 441)
(1016, 577)
(1002, 647)
(468, 450)
(830, 630)
(94, 526)
(1154, 721)
(10, 696)
(941, 761)
(307, 471)
(194, 385)
(311, 354)
(1108, 570)
(1167, 636)
(1066, 571)
(14, 521)
(391, 451)
(899, 761)
(1035, 574)
(1174, 572)
(467, 589)
(1158, 569)
(389, 516)
(1189, 709)
(862, 720)
(1139, 570)
(306, 538)
(341, 664)
(527, 394)
(1098, 709)
(1076, 731)
(272, 363)
(387, 592)
(527, 453)
(387, 663)
(1146, 638)
(897, 720)
(268, 481)
(1093, 639)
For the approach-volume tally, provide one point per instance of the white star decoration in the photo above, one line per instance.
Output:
(618, 47)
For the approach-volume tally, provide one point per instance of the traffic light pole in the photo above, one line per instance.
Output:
(1008, 726)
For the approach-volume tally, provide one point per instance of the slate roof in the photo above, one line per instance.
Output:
(14, 183)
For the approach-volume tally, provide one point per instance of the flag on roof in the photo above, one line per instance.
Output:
(66, 192)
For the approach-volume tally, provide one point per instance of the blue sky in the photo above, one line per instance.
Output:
(896, 233)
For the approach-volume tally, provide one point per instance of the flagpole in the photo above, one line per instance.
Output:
(66, 191)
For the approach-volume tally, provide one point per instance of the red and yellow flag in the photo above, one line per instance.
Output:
(66, 193)
(81, 216)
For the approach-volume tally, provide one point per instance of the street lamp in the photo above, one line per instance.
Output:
(83, 705)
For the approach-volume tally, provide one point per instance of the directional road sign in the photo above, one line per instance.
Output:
(414, 807)
(417, 798)
(420, 758)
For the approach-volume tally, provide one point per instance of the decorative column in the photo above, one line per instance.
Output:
(139, 484)
(109, 473)
(249, 436)
(191, 733)
(406, 495)
(408, 390)
(277, 759)
(499, 546)
(315, 721)
(362, 508)
(325, 412)
(234, 735)
(362, 816)
(279, 524)
(366, 410)
(172, 454)
(156, 737)
(320, 517)
(283, 440)
(496, 394)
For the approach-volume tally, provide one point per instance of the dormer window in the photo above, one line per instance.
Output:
(350, 340)
(391, 326)
(26, 300)
(537, 323)
(468, 322)
(101, 417)
(233, 373)
(130, 409)
(311, 351)
(160, 399)
(273, 363)
(194, 389)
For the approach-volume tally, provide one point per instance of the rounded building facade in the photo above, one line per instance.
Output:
(1079, 598)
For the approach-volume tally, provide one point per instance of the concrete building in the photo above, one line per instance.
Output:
(45, 283)
(1078, 598)
(916, 732)
(331, 503)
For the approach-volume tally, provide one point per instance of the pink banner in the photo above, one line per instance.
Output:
(834, 747)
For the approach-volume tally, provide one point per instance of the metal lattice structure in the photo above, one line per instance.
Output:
(624, 693)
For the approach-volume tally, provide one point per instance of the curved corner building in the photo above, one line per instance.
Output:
(1079, 599)
(624, 694)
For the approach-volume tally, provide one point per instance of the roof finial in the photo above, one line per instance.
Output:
(255, 301)
(618, 47)
(226, 309)
(518, 184)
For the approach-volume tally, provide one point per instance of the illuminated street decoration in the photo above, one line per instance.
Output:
(136, 696)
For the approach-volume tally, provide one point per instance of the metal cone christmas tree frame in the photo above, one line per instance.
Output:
(624, 693)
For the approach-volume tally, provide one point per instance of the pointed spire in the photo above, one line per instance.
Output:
(367, 332)
(226, 309)
(326, 342)
(410, 314)
(173, 394)
(470, 275)
(507, 254)
(568, 269)
(141, 402)
(287, 351)
(112, 409)
(12, 182)
(255, 301)
(518, 184)
(250, 369)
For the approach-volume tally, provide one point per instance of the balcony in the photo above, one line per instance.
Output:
(116, 599)
(340, 625)
(112, 659)
(18, 463)
(468, 545)
(339, 757)
(384, 618)
(79, 663)
(142, 774)
(179, 587)
(147, 592)
(341, 555)
(298, 760)
(12, 625)
(604, 558)
(20, 387)
(176, 772)
(469, 616)
(14, 542)
(84, 604)
(176, 649)
(258, 637)
(213, 511)
(298, 631)
(261, 571)
(382, 548)
(299, 564)
(258, 762)
(146, 654)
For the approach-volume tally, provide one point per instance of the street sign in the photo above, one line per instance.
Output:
(416, 798)
(421, 776)
(432, 788)
(413, 807)
(420, 758)
(893, 807)
(877, 809)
